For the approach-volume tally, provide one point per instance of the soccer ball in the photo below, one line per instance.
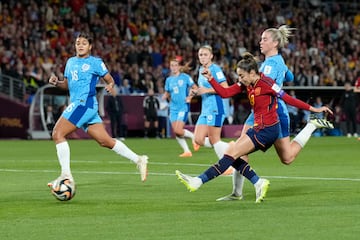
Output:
(63, 189)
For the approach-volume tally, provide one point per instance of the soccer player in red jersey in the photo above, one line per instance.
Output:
(262, 93)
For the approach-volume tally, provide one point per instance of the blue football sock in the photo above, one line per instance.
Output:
(217, 169)
(245, 169)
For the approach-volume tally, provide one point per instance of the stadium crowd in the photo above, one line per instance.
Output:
(137, 38)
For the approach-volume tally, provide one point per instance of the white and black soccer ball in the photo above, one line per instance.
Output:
(63, 189)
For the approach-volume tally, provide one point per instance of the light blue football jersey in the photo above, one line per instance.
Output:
(83, 74)
(211, 103)
(275, 68)
(178, 87)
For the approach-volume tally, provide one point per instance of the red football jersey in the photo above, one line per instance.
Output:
(263, 99)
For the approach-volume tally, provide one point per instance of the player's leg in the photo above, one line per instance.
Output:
(288, 150)
(62, 128)
(237, 178)
(97, 131)
(244, 145)
(179, 131)
(146, 126)
(201, 132)
(215, 123)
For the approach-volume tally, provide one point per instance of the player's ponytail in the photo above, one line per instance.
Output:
(281, 35)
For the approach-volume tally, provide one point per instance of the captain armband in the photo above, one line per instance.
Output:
(281, 93)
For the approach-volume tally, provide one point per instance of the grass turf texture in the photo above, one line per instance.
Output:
(317, 197)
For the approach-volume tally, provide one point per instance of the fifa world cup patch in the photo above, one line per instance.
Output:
(267, 70)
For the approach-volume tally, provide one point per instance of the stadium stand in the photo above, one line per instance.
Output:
(136, 38)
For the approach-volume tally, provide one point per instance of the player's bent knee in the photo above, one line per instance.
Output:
(287, 161)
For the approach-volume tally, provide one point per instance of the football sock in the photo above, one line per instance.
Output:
(220, 148)
(146, 132)
(217, 169)
(121, 149)
(182, 142)
(63, 154)
(245, 169)
(188, 134)
(304, 135)
(238, 183)
(207, 143)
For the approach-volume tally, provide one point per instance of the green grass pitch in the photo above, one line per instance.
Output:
(317, 197)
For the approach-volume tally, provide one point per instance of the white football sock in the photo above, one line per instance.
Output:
(182, 142)
(220, 148)
(207, 143)
(121, 149)
(238, 183)
(304, 135)
(188, 134)
(63, 154)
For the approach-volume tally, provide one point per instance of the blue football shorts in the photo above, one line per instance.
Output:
(81, 116)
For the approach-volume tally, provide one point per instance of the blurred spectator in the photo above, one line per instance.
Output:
(318, 103)
(357, 83)
(115, 110)
(125, 88)
(151, 105)
(294, 116)
(163, 113)
(349, 102)
(49, 117)
(336, 119)
(37, 34)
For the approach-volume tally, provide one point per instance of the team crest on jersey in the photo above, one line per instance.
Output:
(257, 91)
(180, 82)
(85, 67)
(267, 70)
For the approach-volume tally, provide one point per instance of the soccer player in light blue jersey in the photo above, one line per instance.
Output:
(177, 88)
(82, 73)
(272, 40)
(212, 116)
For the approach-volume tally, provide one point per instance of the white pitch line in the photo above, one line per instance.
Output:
(171, 174)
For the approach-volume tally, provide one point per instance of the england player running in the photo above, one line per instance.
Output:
(177, 88)
(272, 40)
(212, 116)
(263, 94)
(81, 75)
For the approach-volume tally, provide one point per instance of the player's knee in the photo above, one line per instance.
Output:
(287, 161)
(200, 142)
(57, 135)
(178, 132)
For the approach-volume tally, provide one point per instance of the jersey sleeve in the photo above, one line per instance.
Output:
(289, 76)
(218, 74)
(290, 100)
(101, 69)
(225, 92)
(67, 71)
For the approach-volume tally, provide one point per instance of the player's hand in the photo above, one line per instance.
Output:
(193, 92)
(109, 87)
(53, 80)
(323, 109)
(206, 73)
